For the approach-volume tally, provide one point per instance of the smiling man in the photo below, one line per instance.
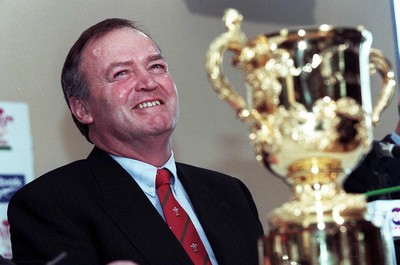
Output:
(129, 200)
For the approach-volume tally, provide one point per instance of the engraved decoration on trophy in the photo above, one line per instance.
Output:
(311, 117)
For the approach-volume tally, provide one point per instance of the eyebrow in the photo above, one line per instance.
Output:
(155, 57)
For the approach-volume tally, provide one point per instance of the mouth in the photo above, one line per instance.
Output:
(148, 104)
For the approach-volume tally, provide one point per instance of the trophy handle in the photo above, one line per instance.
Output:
(233, 40)
(378, 62)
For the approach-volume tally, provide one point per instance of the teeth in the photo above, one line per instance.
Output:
(148, 104)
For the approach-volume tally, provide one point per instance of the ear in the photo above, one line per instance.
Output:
(80, 110)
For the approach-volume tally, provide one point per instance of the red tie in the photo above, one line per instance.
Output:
(179, 221)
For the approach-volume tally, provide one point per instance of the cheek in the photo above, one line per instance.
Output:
(120, 94)
(169, 83)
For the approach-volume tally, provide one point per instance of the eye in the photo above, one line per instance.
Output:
(120, 74)
(158, 68)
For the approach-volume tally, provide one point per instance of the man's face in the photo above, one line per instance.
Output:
(131, 93)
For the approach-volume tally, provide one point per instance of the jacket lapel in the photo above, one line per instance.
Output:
(129, 208)
(216, 217)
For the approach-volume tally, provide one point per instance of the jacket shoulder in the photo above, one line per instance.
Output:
(204, 172)
(56, 180)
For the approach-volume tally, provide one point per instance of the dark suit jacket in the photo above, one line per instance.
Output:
(377, 172)
(95, 211)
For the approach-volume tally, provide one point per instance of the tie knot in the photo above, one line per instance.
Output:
(163, 177)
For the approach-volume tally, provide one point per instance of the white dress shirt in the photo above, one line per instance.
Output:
(145, 176)
(396, 138)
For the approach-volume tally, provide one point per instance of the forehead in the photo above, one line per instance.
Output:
(119, 41)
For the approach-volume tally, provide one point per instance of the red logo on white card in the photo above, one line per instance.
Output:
(4, 121)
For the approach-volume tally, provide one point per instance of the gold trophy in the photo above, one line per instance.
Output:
(311, 120)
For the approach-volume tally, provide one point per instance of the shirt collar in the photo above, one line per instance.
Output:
(396, 138)
(145, 174)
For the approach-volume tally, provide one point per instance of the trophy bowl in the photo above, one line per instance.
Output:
(311, 118)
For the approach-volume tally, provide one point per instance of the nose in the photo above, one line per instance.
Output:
(146, 82)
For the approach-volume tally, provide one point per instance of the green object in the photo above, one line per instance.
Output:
(382, 191)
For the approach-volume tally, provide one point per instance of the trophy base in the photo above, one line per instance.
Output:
(351, 243)
(305, 209)
(330, 230)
